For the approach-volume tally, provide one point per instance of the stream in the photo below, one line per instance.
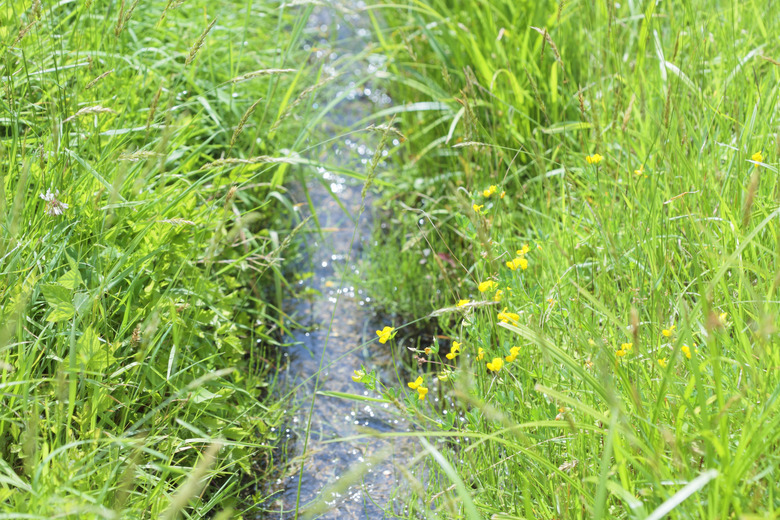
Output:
(355, 479)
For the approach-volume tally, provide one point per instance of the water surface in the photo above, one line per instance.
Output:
(353, 479)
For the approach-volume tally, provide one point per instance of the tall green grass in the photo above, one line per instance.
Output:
(143, 222)
(675, 229)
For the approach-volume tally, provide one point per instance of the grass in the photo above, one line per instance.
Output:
(144, 217)
(602, 414)
(144, 151)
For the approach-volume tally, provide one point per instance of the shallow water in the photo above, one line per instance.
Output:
(344, 479)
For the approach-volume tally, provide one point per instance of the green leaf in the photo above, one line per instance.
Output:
(56, 294)
(81, 301)
(202, 395)
(61, 312)
(94, 354)
(70, 280)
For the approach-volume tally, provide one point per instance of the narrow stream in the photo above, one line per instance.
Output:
(354, 479)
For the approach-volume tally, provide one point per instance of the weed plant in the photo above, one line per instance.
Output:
(589, 201)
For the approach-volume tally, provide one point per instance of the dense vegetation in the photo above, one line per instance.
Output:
(140, 248)
(585, 214)
(598, 180)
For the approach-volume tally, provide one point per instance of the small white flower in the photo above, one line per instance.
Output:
(53, 206)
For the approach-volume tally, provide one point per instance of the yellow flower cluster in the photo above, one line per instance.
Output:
(418, 385)
(480, 354)
(454, 351)
(506, 317)
(624, 349)
(461, 303)
(513, 352)
(757, 157)
(490, 191)
(487, 285)
(384, 334)
(495, 365)
(593, 159)
(520, 260)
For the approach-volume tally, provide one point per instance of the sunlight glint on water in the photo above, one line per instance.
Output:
(338, 37)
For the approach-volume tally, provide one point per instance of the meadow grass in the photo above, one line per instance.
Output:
(633, 148)
(143, 220)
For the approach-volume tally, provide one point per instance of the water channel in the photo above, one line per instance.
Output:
(340, 479)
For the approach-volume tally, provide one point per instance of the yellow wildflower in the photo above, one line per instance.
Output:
(520, 262)
(480, 354)
(524, 250)
(551, 301)
(421, 392)
(624, 349)
(488, 192)
(358, 376)
(454, 351)
(384, 334)
(668, 332)
(414, 385)
(686, 350)
(513, 352)
(662, 362)
(723, 319)
(506, 317)
(461, 303)
(593, 159)
(495, 365)
(499, 294)
(502, 194)
(640, 171)
(487, 285)
(757, 157)
(477, 207)
(428, 351)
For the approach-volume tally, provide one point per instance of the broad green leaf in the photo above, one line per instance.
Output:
(70, 280)
(56, 294)
(81, 301)
(93, 353)
(61, 312)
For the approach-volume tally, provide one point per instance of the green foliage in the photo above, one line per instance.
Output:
(602, 414)
(139, 233)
